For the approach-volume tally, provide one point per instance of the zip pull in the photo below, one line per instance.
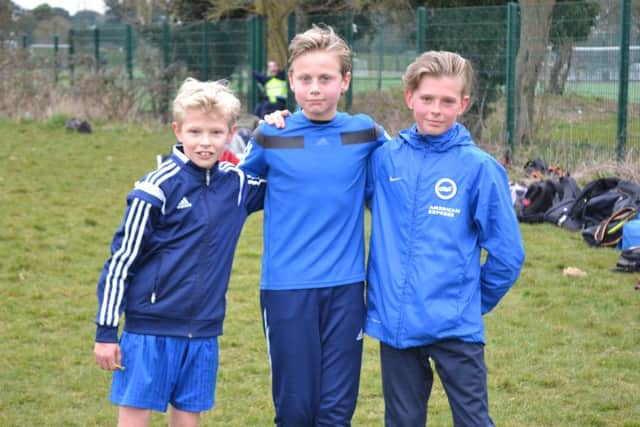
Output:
(208, 177)
(153, 297)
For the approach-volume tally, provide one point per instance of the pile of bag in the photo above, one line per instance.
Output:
(605, 210)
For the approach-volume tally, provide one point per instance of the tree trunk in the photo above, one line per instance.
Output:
(535, 22)
(277, 13)
(560, 69)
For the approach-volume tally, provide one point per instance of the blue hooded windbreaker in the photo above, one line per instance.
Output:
(436, 202)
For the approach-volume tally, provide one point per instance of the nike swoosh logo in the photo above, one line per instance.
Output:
(394, 178)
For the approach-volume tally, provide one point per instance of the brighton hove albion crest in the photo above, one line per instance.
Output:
(446, 189)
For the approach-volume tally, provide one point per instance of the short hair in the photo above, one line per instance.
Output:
(320, 38)
(436, 64)
(210, 97)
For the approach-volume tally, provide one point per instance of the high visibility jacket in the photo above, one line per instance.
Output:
(275, 88)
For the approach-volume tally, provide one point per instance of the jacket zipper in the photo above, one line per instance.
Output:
(156, 285)
(203, 246)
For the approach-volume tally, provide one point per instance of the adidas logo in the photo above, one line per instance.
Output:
(360, 335)
(184, 204)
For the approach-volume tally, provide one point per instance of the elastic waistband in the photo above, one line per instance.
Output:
(173, 327)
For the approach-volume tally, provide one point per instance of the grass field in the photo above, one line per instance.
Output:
(561, 351)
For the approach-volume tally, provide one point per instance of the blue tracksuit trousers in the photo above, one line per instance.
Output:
(314, 340)
(407, 378)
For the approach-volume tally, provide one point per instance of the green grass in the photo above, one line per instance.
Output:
(561, 351)
(603, 89)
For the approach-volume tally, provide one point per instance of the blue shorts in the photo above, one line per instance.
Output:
(161, 370)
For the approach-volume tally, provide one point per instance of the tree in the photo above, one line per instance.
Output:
(47, 28)
(136, 12)
(571, 22)
(190, 10)
(86, 19)
(6, 23)
(535, 23)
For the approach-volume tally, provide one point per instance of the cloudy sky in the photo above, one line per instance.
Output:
(72, 6)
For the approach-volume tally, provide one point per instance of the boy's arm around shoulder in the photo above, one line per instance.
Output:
(253, 162)
(251, 190)
(499, 233)
(373, 164)
(381, 135)
(255, 190)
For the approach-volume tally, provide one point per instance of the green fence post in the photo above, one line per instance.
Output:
(205, 50)
(348, 98)
(381, 57)
(166, 37)
(510, 84)
(258, 54)
(291, 33)
(24, 42)
(166, 78)
(71, 59)
(422, 29)
(623, 80)
(263, 46)
(55, 58)
(129, 50)
(253, 64)
(96, 47)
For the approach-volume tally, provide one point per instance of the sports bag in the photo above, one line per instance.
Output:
(608, 232)
(538, 198)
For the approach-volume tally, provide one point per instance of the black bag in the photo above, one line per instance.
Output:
(567, 190)
(629, 260)
(537, 200)
(588, 207)
(608, 232)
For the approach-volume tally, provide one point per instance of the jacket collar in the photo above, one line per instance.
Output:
(457, 135)
(181, 159)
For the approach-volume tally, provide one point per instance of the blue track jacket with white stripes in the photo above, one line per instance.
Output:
(171, 256)
(314, 204)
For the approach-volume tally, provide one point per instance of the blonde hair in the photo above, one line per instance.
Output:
(320, 38)
(209, 97)
(436, 64)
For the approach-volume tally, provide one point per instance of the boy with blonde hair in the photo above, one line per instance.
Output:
(312, 284)
(170, 265)
(437, 201)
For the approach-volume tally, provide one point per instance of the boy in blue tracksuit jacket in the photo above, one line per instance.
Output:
(170, 265)
(312, 284)
(437, 201)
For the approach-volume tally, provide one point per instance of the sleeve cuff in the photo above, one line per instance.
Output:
(106, 334)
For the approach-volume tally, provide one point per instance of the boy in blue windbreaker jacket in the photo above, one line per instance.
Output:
(437, 201)
(170, 265)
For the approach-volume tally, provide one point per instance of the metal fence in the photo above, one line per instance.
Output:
(596, 110)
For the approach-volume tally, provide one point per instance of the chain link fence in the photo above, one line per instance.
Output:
(587, 93)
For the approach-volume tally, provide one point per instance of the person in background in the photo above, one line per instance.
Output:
(274, 86)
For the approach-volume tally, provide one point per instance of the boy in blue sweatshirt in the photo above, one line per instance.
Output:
(312, 284)
(437, 201)
(170, 265)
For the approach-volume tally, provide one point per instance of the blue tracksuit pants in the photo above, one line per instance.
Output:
(407, 378)
(314, 340)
